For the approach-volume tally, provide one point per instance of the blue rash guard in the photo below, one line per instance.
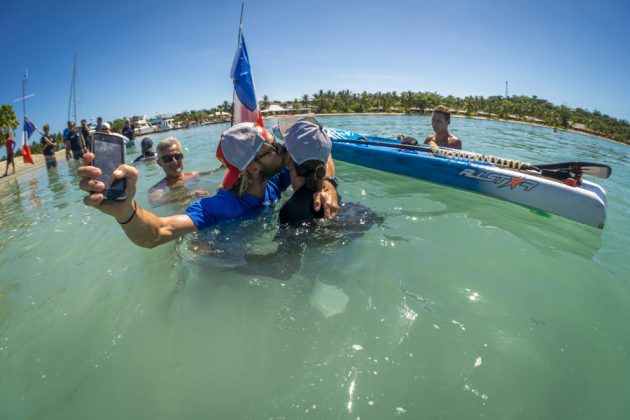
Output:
(225, 205)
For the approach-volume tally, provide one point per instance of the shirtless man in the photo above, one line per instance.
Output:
(440, 120)
(171, 160)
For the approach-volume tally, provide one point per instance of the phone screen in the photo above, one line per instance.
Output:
(108, 155)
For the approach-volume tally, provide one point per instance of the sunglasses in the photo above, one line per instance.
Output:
(273, 148)
(169, 158)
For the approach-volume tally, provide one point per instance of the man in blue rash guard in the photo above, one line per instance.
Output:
(254, 178)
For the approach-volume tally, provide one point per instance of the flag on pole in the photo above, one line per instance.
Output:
(27, 130)
(245, 104)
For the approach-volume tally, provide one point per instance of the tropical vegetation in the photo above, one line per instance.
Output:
(520, 108)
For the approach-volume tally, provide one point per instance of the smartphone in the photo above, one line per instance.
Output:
(109, 153)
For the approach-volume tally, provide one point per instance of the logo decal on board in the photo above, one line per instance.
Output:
(502, 181)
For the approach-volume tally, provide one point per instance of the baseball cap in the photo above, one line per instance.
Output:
(146, 143)
(307, 140)
(106, 124)
(237, 148)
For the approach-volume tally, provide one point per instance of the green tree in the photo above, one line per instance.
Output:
(8, 122)
(264, 104)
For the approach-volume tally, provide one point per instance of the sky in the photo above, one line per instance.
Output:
(149, 57)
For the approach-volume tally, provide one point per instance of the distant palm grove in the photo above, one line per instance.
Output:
(520, 108)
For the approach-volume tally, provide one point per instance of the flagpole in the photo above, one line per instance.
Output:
(240, 28)
(24, 91)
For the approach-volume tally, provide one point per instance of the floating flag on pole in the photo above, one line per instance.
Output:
(245, 105)
(27, 130)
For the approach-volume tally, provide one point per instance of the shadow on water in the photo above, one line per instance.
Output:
(325, 236)
(256, 246)
(550, 234)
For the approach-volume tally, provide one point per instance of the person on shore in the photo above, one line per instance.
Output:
(48, 141)
(147, 150)
(171, 159)
(85, 135)
(128, 132)
(255, 178)
(440, 120)
(10, 145)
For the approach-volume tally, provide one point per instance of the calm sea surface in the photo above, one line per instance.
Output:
(454, 306)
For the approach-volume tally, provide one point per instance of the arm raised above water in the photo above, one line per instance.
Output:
(142, 227)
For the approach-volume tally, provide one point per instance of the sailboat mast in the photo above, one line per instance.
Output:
(72, 92)
(74, 87)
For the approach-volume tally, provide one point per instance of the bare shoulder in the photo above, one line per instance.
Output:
(159, 186)
(454, 142)
(429, 139)
(191, 175)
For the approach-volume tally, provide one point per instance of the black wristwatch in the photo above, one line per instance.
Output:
(333, 180)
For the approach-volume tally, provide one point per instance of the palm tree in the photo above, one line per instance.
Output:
(305, 100)
(264, 104)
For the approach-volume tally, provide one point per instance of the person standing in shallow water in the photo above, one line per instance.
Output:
(85, 135)
(440, 121)
(128, 132)
(48, 141)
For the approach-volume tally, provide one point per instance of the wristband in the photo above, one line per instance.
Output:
(333, 180)
(135, 208)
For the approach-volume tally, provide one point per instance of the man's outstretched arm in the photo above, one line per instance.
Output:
(141, 226)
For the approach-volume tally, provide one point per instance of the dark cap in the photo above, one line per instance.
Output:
(146, 143)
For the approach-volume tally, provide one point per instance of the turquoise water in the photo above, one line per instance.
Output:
(455, 306)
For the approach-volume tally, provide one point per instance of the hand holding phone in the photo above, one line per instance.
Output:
(109, 153)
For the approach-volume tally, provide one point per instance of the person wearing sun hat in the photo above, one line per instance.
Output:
(256, 177)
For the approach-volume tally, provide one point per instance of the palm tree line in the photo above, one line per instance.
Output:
(519, 108)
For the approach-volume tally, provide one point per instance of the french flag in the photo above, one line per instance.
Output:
(27, 131)
(245, 104)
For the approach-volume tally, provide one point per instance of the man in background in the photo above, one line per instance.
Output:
(85, 134)
(128, 132)
(66, 140)
(147, 151)
(48, 141)
(440, 120)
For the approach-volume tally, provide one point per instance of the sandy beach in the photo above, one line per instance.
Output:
(22, 168)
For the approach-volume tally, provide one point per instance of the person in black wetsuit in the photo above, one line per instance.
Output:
(310, 165)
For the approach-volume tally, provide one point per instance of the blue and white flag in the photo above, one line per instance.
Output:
(245, 104)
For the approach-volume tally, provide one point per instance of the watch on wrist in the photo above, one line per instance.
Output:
(333, 180)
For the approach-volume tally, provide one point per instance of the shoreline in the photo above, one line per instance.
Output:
(22, 168)
(452, 115)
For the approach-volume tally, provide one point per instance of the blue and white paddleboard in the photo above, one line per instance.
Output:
(585, 202)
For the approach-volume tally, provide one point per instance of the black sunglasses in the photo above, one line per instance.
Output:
(169, 158)
(273, 148)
